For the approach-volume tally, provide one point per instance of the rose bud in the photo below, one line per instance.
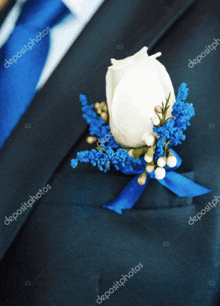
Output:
(150, 167)
(91, 139)
(104, 116)
(158, 109)
(134, 86)
(148, 157)
(103, 104)
(142, 179)
(97, 105)
(105, 108)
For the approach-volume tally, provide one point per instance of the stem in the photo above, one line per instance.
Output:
(99, 148)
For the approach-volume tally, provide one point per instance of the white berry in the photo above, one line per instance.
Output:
(142, 180)
(130, 153)
(156, 121)
(161, 162)
(148, 158)
(150, 168)
(160, 173)
(148, 139)
(171, 161)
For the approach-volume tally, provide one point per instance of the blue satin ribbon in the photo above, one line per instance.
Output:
(173, 181)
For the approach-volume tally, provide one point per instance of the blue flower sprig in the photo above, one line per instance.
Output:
(173, 129)
(106, 157)
(97, 125)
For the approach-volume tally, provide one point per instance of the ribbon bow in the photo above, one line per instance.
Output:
(175, 182)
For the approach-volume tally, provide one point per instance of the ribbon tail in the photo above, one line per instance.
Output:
(128, 197)
(182, 186)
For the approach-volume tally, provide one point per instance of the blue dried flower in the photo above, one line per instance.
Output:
(182, 92)
(97, 125)
(103, 159)
(74, 163)
(173, 129)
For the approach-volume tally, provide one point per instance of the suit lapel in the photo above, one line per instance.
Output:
(53, 123)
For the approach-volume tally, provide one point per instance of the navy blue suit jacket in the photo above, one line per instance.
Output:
(59, 252)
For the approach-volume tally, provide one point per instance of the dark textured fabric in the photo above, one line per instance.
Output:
(58, 253)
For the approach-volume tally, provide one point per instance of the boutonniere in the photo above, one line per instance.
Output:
(137, 128)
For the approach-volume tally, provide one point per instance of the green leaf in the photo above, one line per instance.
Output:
(99, 148)
(167, 100)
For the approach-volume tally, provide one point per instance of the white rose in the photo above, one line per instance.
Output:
(134, 86)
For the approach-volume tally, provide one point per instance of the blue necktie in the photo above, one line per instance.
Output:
(22, 59)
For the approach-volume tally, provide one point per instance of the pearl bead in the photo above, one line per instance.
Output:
(160, 173)
(171, 161)
(148, 139)
(161, 162)
(150, 169)
(148, 158)
(156, 121)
